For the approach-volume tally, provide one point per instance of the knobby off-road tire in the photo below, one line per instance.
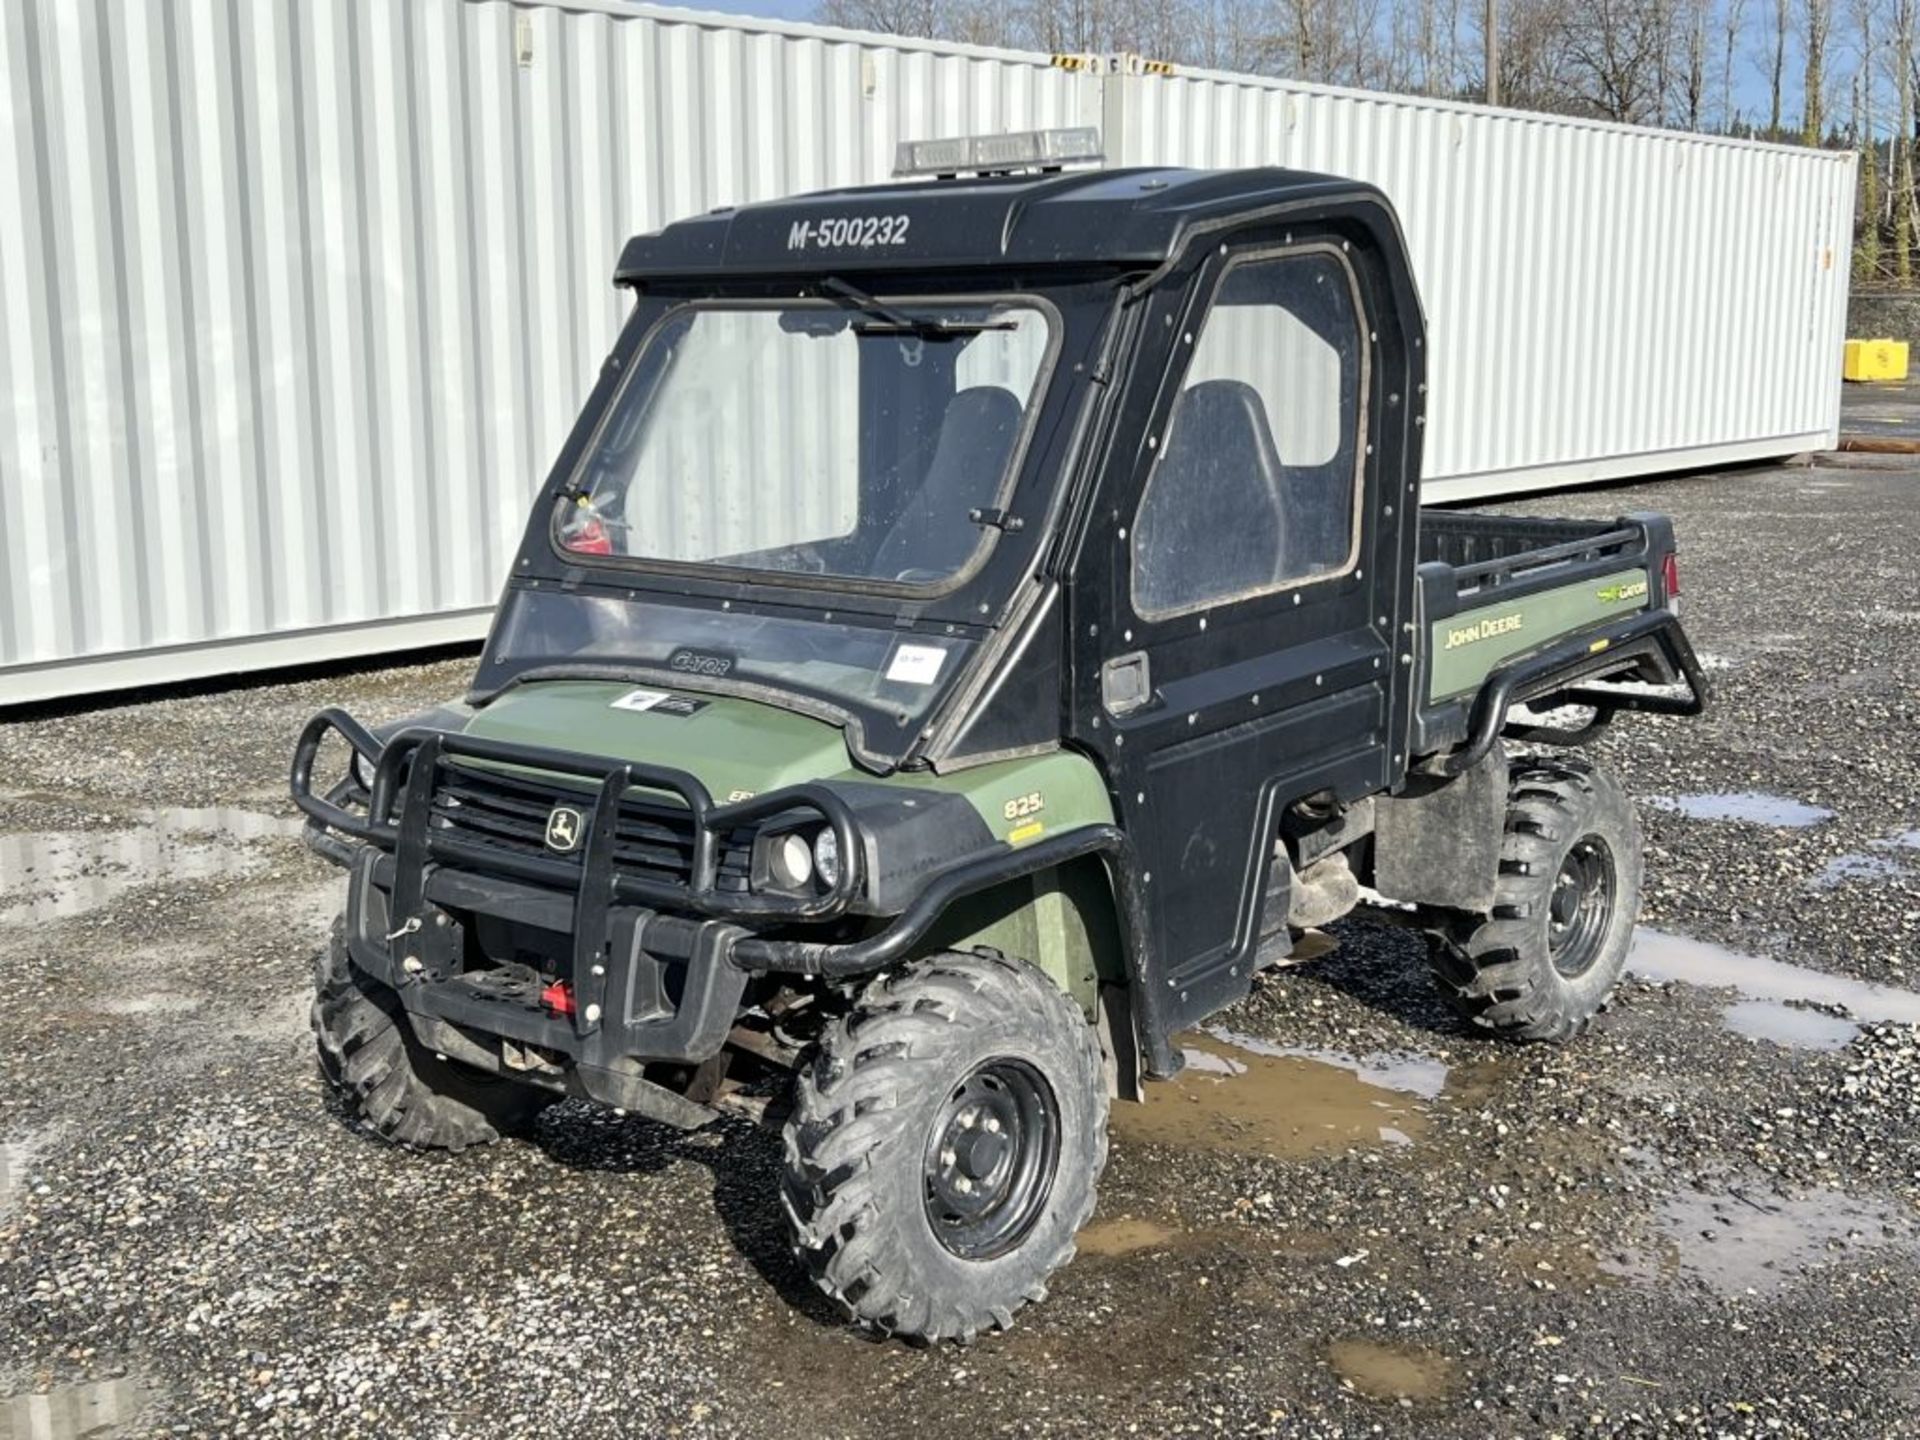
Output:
(410, 1096)
(1546, 960)
(892, 1115)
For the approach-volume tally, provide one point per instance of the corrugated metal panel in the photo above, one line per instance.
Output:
(301, 296)
(1601, 300)
(297, 297)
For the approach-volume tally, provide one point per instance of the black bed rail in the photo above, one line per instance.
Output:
(1626, 542)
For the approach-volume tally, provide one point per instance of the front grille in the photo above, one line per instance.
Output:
(653, 840)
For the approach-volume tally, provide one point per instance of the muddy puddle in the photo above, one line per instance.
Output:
(13, 1175)
(1737, 1240)
(72, 1412)
(1125, 1235)
(1391, 1372)
(58, 875)
(1788, 1004)
(1244, 1095)
(1858, 866)
(1752, 807)
(17, 1156)
(1890, 858)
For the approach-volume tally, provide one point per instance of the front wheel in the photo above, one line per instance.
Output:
(409, 1095)
(944, 1147)
(1541, 965)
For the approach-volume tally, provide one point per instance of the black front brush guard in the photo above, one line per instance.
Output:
(406, 769)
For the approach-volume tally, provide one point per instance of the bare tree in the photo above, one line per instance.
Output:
(889, 17)
(1901, 143)
(1782, 19)
(1642, 61)
(1730, 17)
(1617, 53)
(1693, 95)
(1818, 15)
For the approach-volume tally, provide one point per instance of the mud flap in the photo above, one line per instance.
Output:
(1438, 841)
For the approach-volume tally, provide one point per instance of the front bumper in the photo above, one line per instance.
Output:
(664, 990)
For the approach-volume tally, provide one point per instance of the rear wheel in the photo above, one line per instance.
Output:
(409, 1095)
(944, 1147)
(1542, 964)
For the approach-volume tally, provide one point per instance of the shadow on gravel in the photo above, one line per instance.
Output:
(1383, 967)
(744, 1161)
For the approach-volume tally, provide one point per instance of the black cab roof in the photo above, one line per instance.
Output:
(1123, 217)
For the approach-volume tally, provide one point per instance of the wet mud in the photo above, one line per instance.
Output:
(1244, 1095)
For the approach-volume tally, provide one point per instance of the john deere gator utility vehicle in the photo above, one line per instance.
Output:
(975, 624)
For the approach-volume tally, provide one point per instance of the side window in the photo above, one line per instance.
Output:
(1256, 487)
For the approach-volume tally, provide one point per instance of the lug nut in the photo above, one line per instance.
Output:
(993, 1126)
(947, 1158)
(963, 1185)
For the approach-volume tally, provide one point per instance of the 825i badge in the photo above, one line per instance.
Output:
(841, 232)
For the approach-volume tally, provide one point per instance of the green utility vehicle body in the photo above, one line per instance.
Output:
(960, 586)
(1060, 919)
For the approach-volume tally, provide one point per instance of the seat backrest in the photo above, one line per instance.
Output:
(932, 536)
(1216, 492)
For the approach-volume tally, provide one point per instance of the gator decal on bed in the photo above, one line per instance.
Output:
(1468, 646)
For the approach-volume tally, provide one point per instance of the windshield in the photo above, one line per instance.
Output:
(851, 439)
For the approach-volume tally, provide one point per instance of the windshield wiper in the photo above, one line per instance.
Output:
(888, 321)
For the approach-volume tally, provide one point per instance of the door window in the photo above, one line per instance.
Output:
(1257, 484)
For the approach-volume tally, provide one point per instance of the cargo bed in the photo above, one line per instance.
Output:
(1515, 608)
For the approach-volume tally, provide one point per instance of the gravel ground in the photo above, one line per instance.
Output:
(1669, 1227)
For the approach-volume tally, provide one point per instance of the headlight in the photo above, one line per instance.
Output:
(790, 861)
(826, 857)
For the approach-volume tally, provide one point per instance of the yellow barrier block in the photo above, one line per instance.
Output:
(1875, 360)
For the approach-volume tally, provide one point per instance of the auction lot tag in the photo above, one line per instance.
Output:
(659, 702)
(916, 664)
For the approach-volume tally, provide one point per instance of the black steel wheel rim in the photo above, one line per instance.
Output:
(1580, 911)
(991, 1156)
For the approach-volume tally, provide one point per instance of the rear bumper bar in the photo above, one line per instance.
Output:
(1652, 637)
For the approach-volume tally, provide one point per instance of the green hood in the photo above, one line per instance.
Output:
(735, 747)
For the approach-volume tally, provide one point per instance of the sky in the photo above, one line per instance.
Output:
(778, 9)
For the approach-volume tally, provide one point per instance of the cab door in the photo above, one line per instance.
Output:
(1241, 591)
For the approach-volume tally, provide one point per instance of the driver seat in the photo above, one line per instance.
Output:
(1212, 525)
(932, 536)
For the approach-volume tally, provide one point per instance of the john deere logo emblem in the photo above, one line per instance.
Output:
(564, 828)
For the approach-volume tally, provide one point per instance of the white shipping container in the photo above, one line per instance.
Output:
(299, 296)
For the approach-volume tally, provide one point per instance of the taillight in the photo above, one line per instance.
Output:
(1670, 581)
